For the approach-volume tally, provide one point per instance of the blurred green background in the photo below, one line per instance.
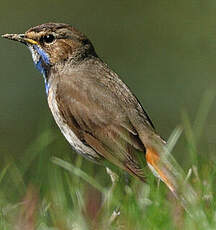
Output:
(164, 50)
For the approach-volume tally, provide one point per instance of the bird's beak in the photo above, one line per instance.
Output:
(20, 38)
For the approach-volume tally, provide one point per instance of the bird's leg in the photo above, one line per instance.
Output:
(113, 176)
(114, 179)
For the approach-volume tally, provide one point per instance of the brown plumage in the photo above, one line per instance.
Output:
(95, 110)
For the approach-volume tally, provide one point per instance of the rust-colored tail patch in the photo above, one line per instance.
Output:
(157, 167)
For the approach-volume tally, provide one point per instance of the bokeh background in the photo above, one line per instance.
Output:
(164, 50)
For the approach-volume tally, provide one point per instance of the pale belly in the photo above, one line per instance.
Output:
(75, 142)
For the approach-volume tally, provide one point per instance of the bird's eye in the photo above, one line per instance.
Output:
(49, 38)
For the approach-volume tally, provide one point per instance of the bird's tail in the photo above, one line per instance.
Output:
(164, 166)
(160, 169)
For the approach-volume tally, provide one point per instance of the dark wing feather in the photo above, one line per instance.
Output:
(97, 116)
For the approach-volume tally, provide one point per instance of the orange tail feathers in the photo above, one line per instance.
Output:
(160, 169)
(165, 167)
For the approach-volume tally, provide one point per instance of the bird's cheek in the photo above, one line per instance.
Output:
(60, 52)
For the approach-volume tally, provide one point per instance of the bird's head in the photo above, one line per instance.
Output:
(53, 43)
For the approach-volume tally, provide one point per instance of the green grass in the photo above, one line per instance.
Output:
(51, 190)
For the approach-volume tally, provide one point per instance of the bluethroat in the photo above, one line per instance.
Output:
(95, 110)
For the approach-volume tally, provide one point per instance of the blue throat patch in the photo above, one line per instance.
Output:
(41, 62)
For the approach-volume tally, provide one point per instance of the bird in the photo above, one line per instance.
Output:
(95, 110)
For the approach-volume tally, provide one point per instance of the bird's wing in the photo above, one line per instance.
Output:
(107, 117)
(98, 117)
